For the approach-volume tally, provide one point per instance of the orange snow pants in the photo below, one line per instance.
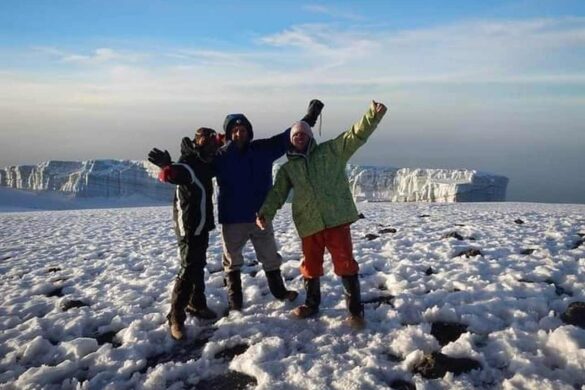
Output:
(337, 240)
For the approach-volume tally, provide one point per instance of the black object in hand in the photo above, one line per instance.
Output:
(313, 112)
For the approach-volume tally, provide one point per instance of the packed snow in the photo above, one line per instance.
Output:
(85, 294)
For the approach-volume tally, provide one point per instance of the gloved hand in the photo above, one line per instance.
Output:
(159, 158)
(187, 146)
(313, 112)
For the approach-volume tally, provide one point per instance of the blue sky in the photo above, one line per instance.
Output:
(491, 85)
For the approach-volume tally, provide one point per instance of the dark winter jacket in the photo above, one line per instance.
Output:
(244, 176)
(193, 203)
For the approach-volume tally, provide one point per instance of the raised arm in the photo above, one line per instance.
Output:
(275, 198)
(279, 144)
(347, 143)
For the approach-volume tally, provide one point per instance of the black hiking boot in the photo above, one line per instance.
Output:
(312, 301)
(351, 291)
(197, 306)
(234, 286)
(277, 288)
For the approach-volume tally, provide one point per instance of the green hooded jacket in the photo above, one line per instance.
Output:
(322, 197)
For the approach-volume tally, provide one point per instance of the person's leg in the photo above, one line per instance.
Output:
(234, 237)
(338, 242)
(312, 270)
(267, 253)
(197, 303)
(191, 266)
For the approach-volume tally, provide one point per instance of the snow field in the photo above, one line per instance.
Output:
(121, 263)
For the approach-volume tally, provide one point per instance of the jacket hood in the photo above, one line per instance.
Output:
(231, 120)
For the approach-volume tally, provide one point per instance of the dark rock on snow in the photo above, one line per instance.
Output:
(371, 236)
(387, 230)
(575, 314)
(231, 380)
(429, 271)
(445, 332)
(67, 304)
(454, 235)
(518, 221)
(436, 365)
(53, 269)
(230, 353)
(471, 252)
(108, 337)
(528, 251)
(400, 384)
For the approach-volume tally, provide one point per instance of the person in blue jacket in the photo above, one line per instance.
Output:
(244, 177)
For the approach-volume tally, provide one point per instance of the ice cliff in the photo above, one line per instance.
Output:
(88, 179)
(121, 178)
(379, 184)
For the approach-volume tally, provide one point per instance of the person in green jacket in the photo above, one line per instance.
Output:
(323, 207)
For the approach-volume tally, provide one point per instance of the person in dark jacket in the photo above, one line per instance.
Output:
(244, 177)
(193, 219)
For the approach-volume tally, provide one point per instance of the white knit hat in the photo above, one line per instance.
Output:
(300, 127)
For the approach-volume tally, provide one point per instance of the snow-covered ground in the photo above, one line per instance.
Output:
(120, 263)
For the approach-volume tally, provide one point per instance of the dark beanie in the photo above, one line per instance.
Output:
(236, 119)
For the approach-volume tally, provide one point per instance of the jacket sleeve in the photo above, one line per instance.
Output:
(346, 144)
(277, 195)
(177, 173)
(275, 146)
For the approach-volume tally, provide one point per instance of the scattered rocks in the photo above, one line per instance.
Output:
(445, 332)
(400, 384)
(575, 314)
(361, 216)
(436, 365)
(371, 236)
(53, 269)
(528, 251)
(387, 230)
(383, 299)
(67, 304)
(231, 380)
(454, 235)
(108, 337)
(518, 221)
(230, 353)
(6, 258)
(471, 252)
(424, 216)
(429, 271)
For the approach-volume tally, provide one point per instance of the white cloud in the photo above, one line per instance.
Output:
(334, 12)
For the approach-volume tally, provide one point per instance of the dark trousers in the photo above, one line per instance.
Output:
(190, 284)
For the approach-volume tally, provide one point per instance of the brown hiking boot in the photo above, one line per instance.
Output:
(177, 331)
(357, 322)
(204, 313)
(305, 311)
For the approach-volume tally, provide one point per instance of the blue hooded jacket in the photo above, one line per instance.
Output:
(244, 176)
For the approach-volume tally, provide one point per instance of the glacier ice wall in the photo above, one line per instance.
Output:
(88, 179)
(381, 184)
(120, 178)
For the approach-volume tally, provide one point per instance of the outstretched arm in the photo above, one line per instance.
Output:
(275, 198)
(347, 143)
